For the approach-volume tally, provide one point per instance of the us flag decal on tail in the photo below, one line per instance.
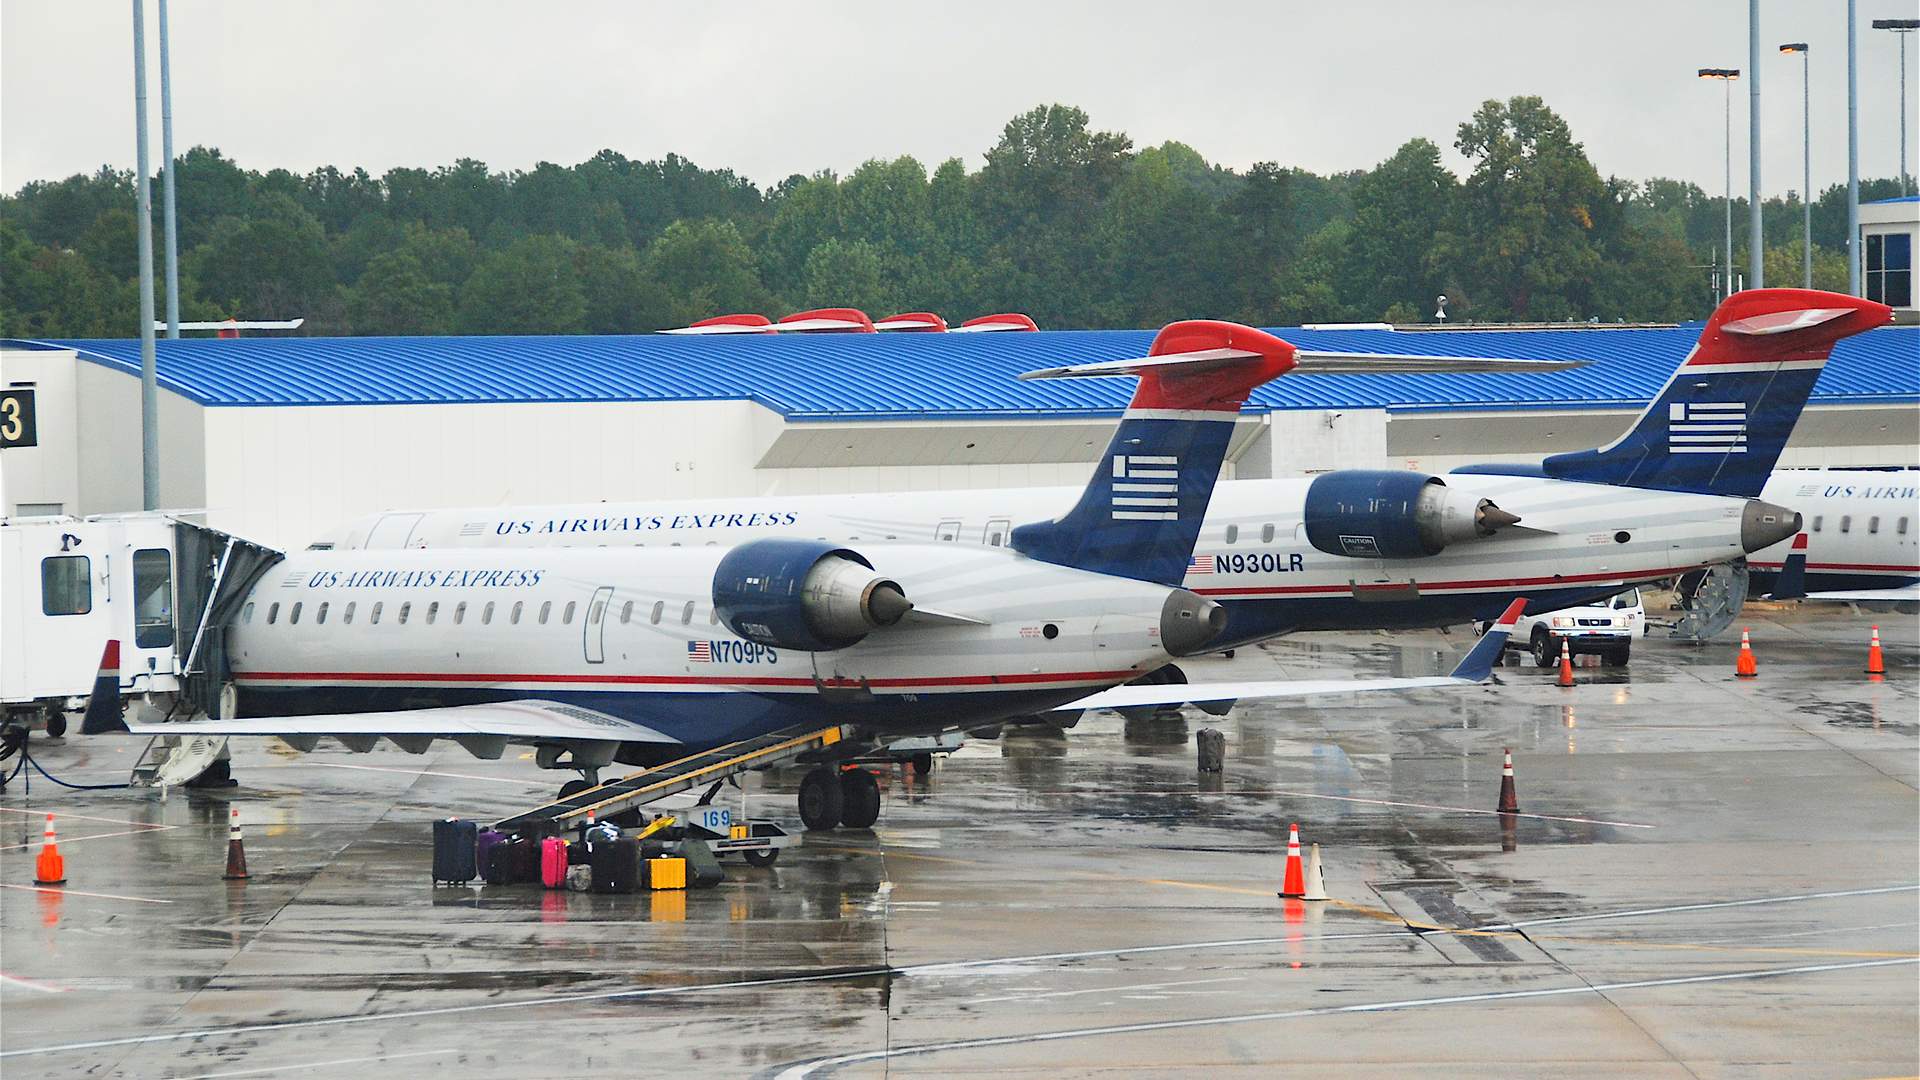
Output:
(1707, 427)
(700, 652)
(1153, 493)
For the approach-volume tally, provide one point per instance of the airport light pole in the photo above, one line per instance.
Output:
(1806, 160)
(1902, 27)
(1756, 243)
(143, 231)
(166, 184)
(1727, 75)
(1853, 151)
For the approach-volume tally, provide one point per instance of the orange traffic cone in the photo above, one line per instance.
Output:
(236, 851)
(50, 868)
(1876, 663)
(1566, 664)
(1743, 665)
(1509, 802)
(1294, 885)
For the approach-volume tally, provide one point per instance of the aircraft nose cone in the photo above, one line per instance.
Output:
(1762, 525)
(1492, 517)
(1188, 621)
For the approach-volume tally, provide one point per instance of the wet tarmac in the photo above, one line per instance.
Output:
(1709, 877)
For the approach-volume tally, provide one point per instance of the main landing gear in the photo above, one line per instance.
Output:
(831, 797)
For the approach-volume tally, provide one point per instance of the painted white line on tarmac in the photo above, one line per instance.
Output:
(94, 836)
(809, 1068)
(949, 967)
(1365, 801)
(29, 984)
(322, 1064)
(1713, 906)
(62, 890)
(83, 817)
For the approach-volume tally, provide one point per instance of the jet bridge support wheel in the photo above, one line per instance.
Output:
(860, 798)
(822, 799)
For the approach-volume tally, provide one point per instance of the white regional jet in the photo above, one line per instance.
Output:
(1353, 549)
(644, 656)
(1861, 544)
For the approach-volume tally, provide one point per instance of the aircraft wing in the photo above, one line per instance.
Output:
(1473, 669)
(1908, 593)
(520, 721)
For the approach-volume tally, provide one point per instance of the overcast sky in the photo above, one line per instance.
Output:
(771, 89)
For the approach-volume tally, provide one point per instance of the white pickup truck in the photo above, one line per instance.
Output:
(1606, 629)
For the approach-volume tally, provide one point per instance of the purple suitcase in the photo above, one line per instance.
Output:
(484, 842)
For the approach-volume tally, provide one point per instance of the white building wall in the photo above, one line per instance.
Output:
(1301, 442)
(46, 475)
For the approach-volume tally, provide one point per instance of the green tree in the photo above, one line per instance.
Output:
(707, 269)
(622, 298)
(848, 274)
(395, 296)
(272, 265)
(1401, 211)
(530, 287)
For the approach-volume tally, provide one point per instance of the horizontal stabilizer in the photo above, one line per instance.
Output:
(1310, 362)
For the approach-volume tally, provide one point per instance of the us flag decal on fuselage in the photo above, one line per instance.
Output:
(1707, 427)
(1202, 564)
(1153, 493)
(700, 652)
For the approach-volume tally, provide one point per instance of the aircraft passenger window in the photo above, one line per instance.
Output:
(293, 617)
(246, 613)
(320, 616)
(597, 611)
(406, 608)
(373, 617)
(626, 612)
(152, 598)
(1818, 520)
(460, 613)
(347, 615)
(273, 612)
(1902, 527)
(1846, 522)
(686, 614)
(1873, 524)
(659, 609)
(66, 585)
(433, 612)
(1266, 534)
(566, 614)
(515, 619)
(1233, 533)
(713, 616)
(486, 614)
(546, 608)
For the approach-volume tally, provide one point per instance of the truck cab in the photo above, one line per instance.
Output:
(1605, 629)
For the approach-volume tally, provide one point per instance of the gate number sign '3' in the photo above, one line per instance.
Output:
(1146, 488)
(17, 422)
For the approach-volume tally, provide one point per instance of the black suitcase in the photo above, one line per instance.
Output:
(703, 869)
(526, 861)
(616, 866)
(453, 845)
(499, 868)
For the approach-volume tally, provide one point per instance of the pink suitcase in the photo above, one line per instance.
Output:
(553, 863)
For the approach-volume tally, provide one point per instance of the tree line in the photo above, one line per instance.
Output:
(1072, 225)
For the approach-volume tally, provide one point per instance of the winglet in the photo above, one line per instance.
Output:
(1480, 662)
(103, 705)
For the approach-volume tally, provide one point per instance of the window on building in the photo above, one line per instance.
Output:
(659, 609)
(347, 615)
(66, 585)
(566, 614)
(293, 617)
(152, 598)
(373, 617)
(320, 614)
(546, 608)
(1890, 269)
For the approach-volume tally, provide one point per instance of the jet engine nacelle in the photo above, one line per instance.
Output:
(803, 594)
(1393, 514)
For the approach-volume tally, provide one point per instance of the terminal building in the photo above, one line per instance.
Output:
(279, 439)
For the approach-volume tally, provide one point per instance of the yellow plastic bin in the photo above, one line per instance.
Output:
(667, 873)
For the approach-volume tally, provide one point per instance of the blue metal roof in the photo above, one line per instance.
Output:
(892, 376)
(1895, 199)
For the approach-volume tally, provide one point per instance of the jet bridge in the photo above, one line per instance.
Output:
(674, 777)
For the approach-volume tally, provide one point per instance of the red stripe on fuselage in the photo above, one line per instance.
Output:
(466, 678)
(1492, 583)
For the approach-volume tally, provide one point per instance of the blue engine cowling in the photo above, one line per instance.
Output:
(1393, 514)
(803, 594)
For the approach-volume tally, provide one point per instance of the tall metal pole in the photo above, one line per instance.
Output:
(1756, 246)
(1806, 168)
(1729, 199)
(166, 185)
(143, 229)
(1853, 151)
(1906, 185)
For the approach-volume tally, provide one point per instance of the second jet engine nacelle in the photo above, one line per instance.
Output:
(803, 594)
(1393, 514)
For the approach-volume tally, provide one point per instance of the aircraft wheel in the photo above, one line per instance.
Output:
(761, 858)
(860, 796)
(573, 787)
(922, 763)
(821, 800)
(56, 723)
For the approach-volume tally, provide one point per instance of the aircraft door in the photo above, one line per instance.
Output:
(996, 532)
(594, 631)
(394, 530)
(947, 531)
